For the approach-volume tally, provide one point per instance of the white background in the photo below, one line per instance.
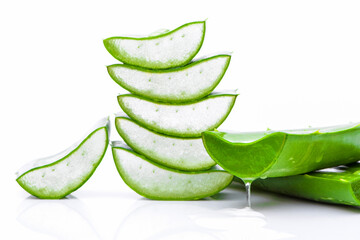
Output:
(295, 64)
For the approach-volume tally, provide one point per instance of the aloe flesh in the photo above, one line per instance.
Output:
(171, 49)
(285, 153)
(155, 181)
(180, 120)
(187, 154)
(339, 185)
(176, 85)
(57, 176)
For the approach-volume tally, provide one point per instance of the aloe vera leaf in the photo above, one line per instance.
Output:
(57, 176)
(188, 83)
(284, 153)
(180, 120)
(155, 181)
(187, 154)
(340, 185)
(171, 49)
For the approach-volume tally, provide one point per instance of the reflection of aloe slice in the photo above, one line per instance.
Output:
(47, 216)
(180, 153)
(170, 49)
(61, 174)
(191, 82)
(286, 153)
(159, 221)
(335, 185)
(158, 182)
(182, 120)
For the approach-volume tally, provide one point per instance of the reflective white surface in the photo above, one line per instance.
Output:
(125, 215)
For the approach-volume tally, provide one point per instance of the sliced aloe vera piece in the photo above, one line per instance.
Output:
(284, 153)
(155, 181)
(181, 120)
(59, 175)
(186, 154)
(171, 49)
(340, 185)
(192, 82)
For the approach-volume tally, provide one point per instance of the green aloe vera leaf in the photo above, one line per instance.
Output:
(57, 176)
(283, 153)
(155, 181)
(340, 185)
(187, 154)
(183, 84)
(180, 120)
(171, 49)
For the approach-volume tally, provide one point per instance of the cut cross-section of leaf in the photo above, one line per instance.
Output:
(192, 82)
(155, 181)
(181, 120)
(171, 49)
(59, 175)
(186, 154)
(283, 153)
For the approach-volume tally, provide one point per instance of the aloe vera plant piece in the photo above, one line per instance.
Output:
(155, 181)
(186, 154)
(171, 49)
(188, 83)
(340, 185)
(284, 153)
(181, 120)
(57, 176)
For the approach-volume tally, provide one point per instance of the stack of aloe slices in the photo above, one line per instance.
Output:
(170, 105)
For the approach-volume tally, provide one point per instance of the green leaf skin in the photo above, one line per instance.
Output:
(187, 154)
(339, 185)
(285, 153)
(189, 83)
(179, 120)
(168, 50)
(158, 182)
(57, 176)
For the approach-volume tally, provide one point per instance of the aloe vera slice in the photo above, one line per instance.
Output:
(340, 185)
(192, 82)
(284, 153)
(186, 154)
(171, 49)
(57, 176)
(181, 120)
(155, 181)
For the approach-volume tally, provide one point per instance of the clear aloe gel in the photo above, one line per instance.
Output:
(248, 191)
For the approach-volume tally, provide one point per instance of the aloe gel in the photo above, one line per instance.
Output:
(57, 176)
